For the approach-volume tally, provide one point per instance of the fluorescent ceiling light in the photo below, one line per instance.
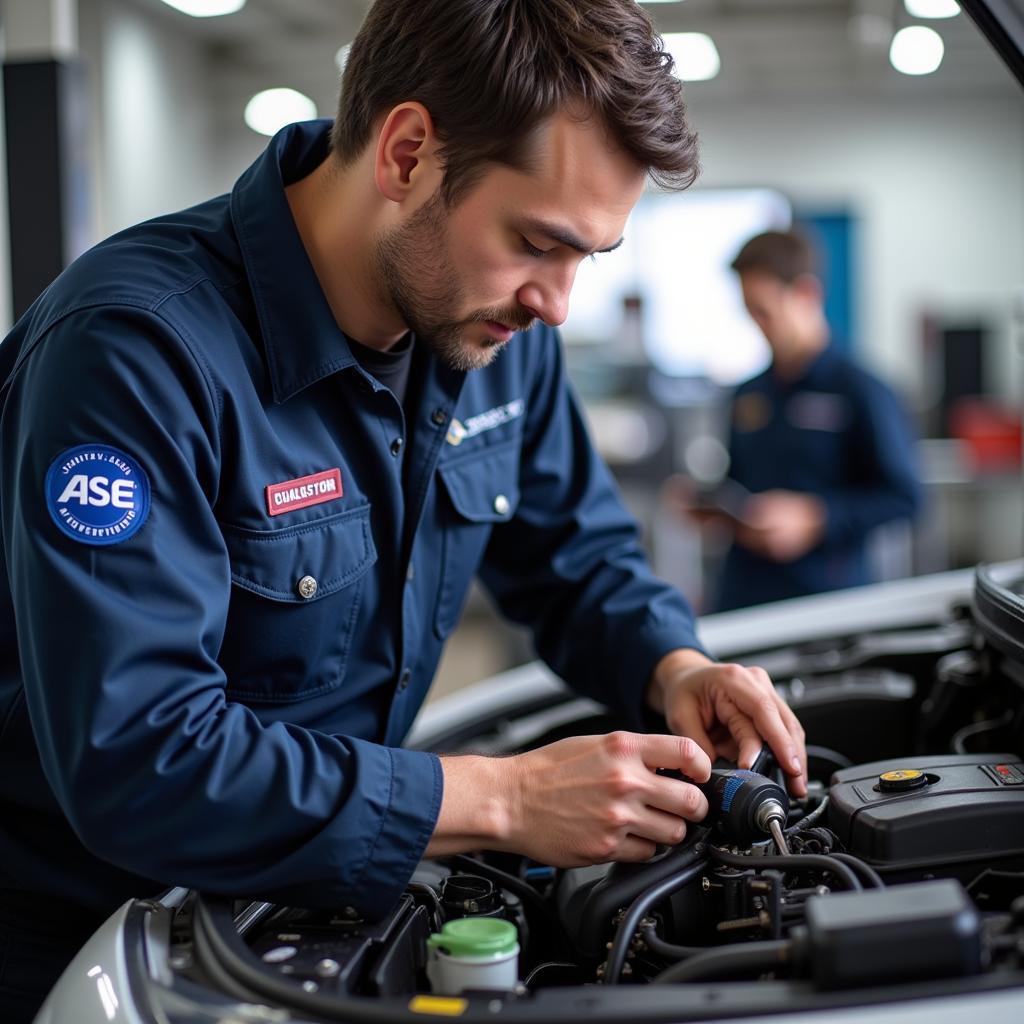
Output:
(916, 50)
(206, 8)
(695, 55)
(269, 111)
(932, 8)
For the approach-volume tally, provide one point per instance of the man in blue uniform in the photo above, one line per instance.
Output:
(253, 454)
(824, 447)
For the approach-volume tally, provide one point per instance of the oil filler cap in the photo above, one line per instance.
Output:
(902, 780)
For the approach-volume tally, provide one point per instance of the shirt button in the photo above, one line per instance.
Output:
(439, 416)
(501, 505)
(396, 446)
(403, 679)
(307, 587)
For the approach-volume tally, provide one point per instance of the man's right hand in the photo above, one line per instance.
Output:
(584, 800)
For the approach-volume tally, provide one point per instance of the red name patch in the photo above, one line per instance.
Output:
(306, 490)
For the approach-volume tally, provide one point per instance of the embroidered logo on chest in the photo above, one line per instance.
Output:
(314, 489)
(459, 432)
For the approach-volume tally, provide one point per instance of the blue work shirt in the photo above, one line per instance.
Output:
(836, 432)
(212, 691)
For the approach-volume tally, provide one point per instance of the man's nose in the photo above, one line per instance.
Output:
(548, 299)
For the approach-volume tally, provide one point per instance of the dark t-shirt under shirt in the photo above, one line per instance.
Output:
(390, 367)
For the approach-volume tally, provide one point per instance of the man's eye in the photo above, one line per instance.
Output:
(532, 250)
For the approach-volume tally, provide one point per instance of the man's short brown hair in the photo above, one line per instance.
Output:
(785, 255)
(490, 71)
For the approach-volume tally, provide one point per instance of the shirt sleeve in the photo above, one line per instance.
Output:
(885, 484)
(157, 772)
(569, 563)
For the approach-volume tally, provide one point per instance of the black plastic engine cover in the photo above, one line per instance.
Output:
(921, 930)
(967, 807)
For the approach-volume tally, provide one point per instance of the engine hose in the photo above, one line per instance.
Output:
(865, 871)
(730, 960)
(626, 882)
(638, 910)
(797, 862)
(828, 754)
(656, 944)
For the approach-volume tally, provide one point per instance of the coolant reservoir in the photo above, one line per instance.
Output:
(473, 953)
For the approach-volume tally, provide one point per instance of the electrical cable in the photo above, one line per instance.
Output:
(808, 819)
(431, 893)
(796, 862)
(547, 965)
(864, 870)
(961, 735)
(728, 961)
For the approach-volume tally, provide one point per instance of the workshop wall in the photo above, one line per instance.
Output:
(936, 185)
(153, 114)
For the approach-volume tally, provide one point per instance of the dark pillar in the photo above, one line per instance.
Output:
(48, 196)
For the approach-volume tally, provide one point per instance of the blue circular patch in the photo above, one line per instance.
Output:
(97, 494)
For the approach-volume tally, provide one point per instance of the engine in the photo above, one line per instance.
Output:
(903, 866)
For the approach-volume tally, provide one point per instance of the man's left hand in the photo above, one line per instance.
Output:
(782, 525)
(729, 710)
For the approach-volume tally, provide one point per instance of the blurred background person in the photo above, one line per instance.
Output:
(821, 451)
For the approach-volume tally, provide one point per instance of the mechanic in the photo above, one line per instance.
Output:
(825, 447)
(253, 454)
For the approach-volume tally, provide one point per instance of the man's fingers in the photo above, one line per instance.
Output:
(752, 710)
(677, 798)
(634, 849)
(745, 734)
(688, 753)
(659, 827)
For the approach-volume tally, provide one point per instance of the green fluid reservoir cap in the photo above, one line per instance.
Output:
(476, 936)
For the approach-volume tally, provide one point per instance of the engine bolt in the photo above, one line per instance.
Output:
(327, 968)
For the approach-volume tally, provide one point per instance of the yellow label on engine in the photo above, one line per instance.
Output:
(438, 1006)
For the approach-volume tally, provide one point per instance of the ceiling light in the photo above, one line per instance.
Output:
(269, 111)
(932, 8)
(206, 8)
(341, 57)
(916, 50)
(695, 55)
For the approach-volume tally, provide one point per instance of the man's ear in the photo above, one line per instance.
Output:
(406, 162)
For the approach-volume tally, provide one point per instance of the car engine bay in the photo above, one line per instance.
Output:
(899, 876)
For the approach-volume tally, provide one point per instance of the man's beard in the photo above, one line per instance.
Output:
(419, 250)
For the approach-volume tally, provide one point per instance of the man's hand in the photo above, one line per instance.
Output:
(730, 710)
(781, 525)
(584, 800)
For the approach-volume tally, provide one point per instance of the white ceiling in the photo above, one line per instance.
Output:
(767, 47)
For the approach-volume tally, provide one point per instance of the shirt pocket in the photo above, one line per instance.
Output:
(482, 490)
(295, 599)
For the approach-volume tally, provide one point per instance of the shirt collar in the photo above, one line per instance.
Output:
(302, 339)
(814, 372)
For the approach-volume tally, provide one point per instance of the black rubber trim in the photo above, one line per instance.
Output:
(999, 615)
(1002, 24)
